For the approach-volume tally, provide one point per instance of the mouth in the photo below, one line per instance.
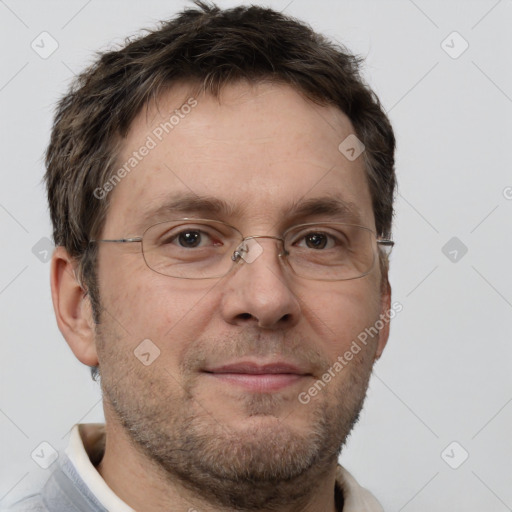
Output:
(261, 378)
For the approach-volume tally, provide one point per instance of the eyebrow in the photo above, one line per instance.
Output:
(332, 206)
(189, 204)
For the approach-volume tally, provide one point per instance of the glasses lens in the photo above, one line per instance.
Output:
(190, 249)
(203, 249)
(330, 251)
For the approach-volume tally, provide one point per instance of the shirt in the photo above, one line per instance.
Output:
(76, 486)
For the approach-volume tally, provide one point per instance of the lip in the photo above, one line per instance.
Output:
(258, 377)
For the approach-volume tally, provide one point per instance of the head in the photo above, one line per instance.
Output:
(235, 116)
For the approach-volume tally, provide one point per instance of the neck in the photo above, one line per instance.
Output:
(145, 486)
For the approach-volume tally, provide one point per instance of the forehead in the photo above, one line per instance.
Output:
(255, 154)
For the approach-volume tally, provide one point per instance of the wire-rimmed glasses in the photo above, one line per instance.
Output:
(206, 249)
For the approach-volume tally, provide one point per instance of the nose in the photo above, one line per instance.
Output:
(259, 290)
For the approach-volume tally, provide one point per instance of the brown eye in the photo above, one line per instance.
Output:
(316, 241)
(189, 239)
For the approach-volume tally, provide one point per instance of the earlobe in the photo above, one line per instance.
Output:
(385, 318)
(72, 308)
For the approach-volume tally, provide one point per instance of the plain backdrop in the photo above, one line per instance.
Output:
(435, 433)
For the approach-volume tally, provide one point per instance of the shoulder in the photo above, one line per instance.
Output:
(32, 503)
(356, 498)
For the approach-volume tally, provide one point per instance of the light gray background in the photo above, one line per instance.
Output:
(445, 375)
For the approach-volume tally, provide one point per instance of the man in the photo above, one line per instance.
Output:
(221, 192)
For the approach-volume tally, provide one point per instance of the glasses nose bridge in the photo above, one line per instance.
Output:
(272, 237)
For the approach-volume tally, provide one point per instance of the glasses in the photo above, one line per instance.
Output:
(207, 249)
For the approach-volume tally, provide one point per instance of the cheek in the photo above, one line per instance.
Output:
(340, 312)
(150, 306)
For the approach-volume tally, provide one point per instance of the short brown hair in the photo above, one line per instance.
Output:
(208, 48)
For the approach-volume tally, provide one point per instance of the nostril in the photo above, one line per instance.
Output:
(245, 316)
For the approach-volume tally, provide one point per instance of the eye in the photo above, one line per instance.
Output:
(317, 240)
(191, 238)
(322, 238)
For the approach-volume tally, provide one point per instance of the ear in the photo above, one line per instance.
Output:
(385, 308)
(72, 308)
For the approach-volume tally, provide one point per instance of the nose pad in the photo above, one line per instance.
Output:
(250, 250)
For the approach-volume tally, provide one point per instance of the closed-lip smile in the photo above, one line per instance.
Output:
(258, 377)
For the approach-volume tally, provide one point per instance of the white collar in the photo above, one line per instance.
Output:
(356, 498)
(88, 473)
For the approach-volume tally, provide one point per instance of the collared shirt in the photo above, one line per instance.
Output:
(76, 486)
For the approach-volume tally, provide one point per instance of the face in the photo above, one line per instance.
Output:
(230, 357)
